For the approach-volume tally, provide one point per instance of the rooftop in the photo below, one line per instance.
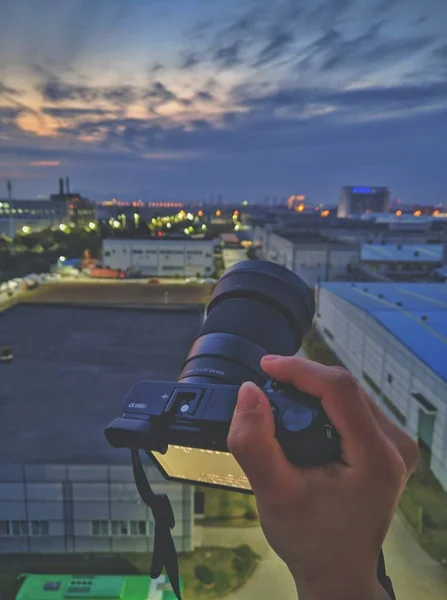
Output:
(95, 587)
(71, 371)
(402, 252)
(400, 308)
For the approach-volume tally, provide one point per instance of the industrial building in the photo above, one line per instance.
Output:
(393, 338)
(28, 215)
(403, 262)
(63, 489)
(313, 259)
(357, 200)
(184, 257)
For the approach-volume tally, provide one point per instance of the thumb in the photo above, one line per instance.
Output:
(252, 441)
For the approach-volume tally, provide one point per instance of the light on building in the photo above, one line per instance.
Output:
(168, 225)
(436, 213)
(299, 208)
(92, 225)
(398, 213)
(204, 227)
(245, 203)
(186, 231)
(190, 216)
(62, 259)
(417, 213)
(236, 213)
(63, 227)
(218, 213)
(180, 215)
(325, 213)
(26, 229)
(200, 213)
(116, 224)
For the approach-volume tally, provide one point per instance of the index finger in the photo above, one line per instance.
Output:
(341, 399)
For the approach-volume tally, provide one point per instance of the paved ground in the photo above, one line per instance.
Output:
(414, 574)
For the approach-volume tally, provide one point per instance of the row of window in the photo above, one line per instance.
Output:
(24, 528)
(119, 528)
(26, 211)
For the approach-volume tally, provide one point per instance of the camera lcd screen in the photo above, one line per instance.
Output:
(203, 466)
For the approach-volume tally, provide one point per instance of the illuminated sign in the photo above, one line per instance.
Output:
(363, 190)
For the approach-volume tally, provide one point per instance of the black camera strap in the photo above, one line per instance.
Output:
(383, 578)
(164, 554)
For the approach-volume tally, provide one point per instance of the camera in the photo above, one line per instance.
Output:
(257, 308)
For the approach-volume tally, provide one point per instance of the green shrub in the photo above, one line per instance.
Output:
(204, 574)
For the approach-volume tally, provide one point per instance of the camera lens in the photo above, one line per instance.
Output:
(257, 308)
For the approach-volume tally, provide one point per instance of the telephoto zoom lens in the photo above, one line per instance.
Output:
(257, 308)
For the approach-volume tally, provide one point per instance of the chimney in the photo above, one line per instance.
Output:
(67, 185)
(61, 186)
(9, 188)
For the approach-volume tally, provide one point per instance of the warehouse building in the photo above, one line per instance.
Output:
(313, 259)
(393, 338)
(165, 258)
(403, 261)
(62, 487)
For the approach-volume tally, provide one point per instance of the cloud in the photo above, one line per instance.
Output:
(6, 89)
(204, 96)
(54, 89)
(228, 56)
(69, 113)
(45, 163)
(190, 61)
(441, 52)
(275, 48)
(156, 68)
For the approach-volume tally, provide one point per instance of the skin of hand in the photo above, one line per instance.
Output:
(326, 523)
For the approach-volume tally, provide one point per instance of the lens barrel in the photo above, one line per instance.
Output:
(257, 308)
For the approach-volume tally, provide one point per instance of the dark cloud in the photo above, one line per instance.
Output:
(329, 12)
(201, 124)
(204, 96)
(6, 89)
(156, 68)
(275, 48)
(8, 113)
(123, 95)
(159, 94)
(190, 61)
(55, 90)
(228, 56)
(69, 113)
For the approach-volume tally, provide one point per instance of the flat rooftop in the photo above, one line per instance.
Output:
(402, 252)
(71, 371)
(427, 339)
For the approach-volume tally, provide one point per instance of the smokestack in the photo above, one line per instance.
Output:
(9, 188)
(67, 185)
(61, 186)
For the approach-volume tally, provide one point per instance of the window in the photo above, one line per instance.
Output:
(107, 253)
(393, 408)
(20, 528)
(138, 528)
(40, 528)
(389, 378)
(328, 333)
(52, 585)
(199, 503)
(120, 528)
(137, 251)
(372, 384)
(100, 528)
(4, 528)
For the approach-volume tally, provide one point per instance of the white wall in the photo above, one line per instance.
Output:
(68, 499)
(366, 347)
(166, 258)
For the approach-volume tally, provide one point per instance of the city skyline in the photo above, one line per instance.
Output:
(194, 98)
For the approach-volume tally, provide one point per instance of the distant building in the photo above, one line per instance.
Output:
(63, 207)
(391, 336)
(162, 257)
(356, 200)
(313, 258)
(403, 262)
(63, 489)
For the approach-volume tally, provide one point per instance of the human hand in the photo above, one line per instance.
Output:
(327, 523)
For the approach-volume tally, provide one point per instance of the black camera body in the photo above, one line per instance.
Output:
(160, 414)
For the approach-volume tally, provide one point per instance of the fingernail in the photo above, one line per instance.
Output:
(270, 357)
(249, 400)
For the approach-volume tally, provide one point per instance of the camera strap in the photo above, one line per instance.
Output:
(164, 554)
(383, 578)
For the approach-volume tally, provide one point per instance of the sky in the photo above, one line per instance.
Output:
(246, 99)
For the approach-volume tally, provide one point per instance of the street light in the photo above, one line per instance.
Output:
(92, 225)
(62, 259)
(26, 229)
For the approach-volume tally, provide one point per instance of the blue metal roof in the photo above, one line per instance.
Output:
(399, 307)
(404, 253)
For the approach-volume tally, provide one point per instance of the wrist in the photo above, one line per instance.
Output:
(343, 588)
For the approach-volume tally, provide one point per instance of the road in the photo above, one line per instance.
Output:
(414, 574)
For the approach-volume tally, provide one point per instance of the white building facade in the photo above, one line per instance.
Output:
(406, 388)
(84, 508)
(164, 258)
(312, 261)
